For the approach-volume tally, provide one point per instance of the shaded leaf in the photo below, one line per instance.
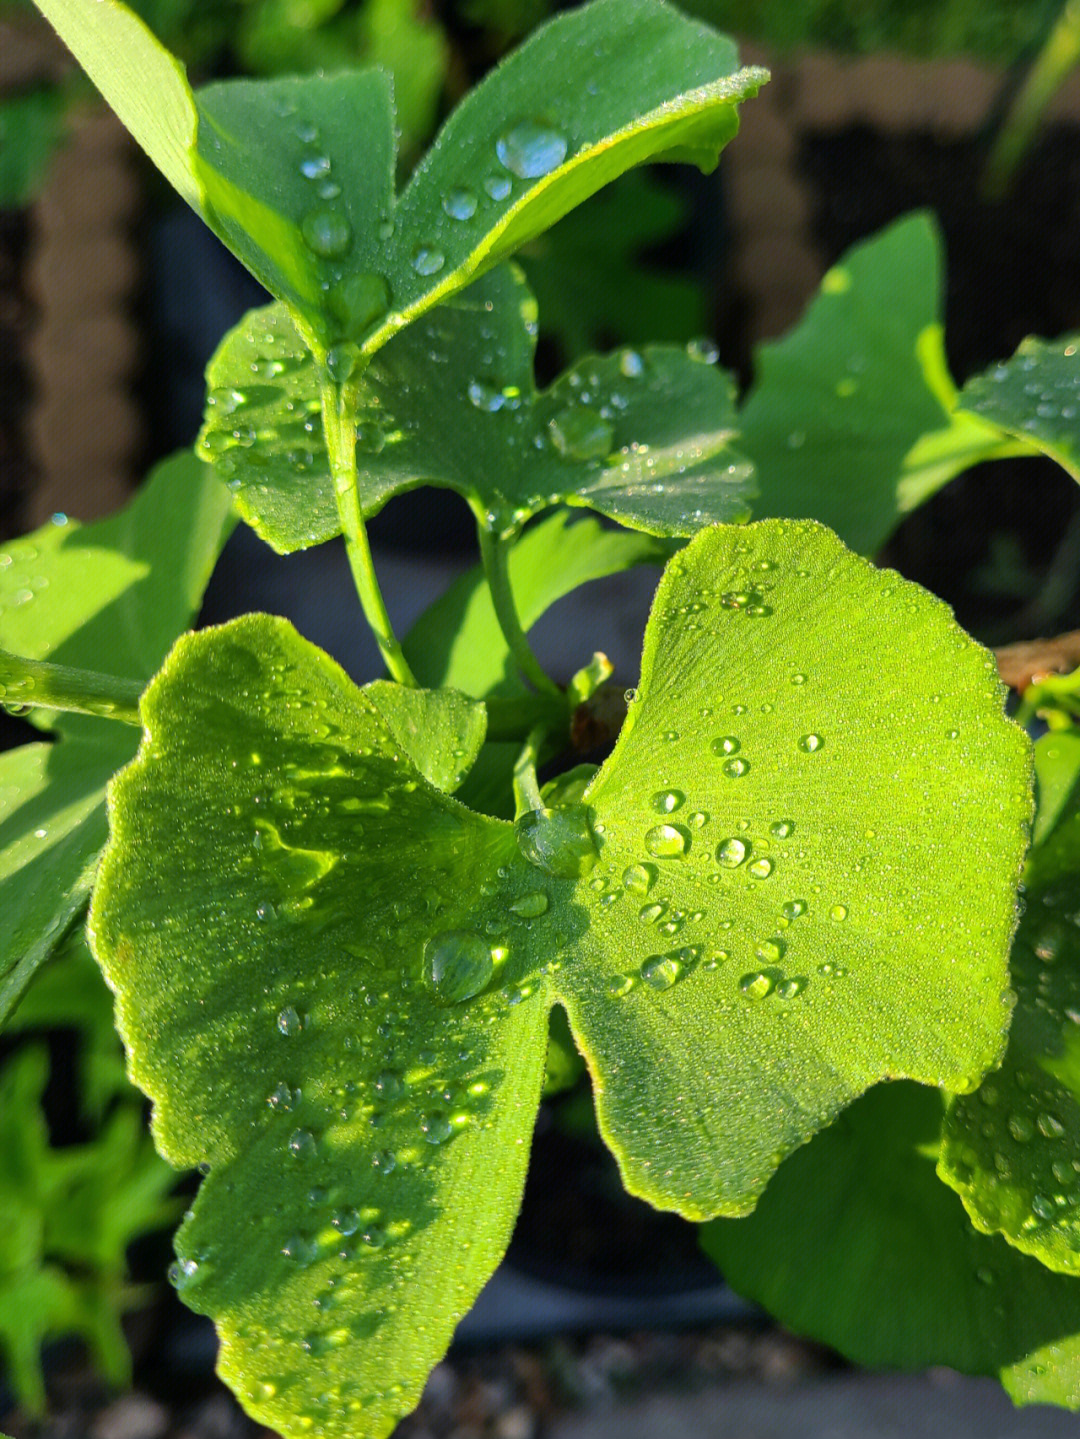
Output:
(857, 1243)
(457, 640)
(275, 169)
(644, 438)
(440, 730)
(110, 597)
(1012, 1149)
(787, 914)
(1034, 396)
(850, 418)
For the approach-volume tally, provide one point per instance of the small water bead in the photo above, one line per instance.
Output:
(389, 1084)
(436, 1128)
(838, 912)
(460, 203)
(732, 853)
(1050, 1126)
(581, 433)
(639, 878)
(757, 985)
(289, 1022)
(650, 913)
(301, 1249)
(346, 1221)
(281, 1099)
(314, 167)
(327, 233)
(661, 971)
(697, 819)
(1021, 1128)
(810, 743)
(302, 1144)
(668, 800)
(736, 768)
(428, 260)
(782, 828)
(620, 984)
(798, 679)
(761, 868)
(631, 364)
(725, 745)
(770, 950)
(702, 349)
(458, 964)
(667, 841)
(789, 988)
(1043, 1207)
(531, 149)
(794, 908)
(497, 186)
(374, 1236)
(531, 905)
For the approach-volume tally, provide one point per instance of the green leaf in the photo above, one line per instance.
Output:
(457, 640)
(52, 829)
(644, 438)
(370, 1152)
(276, 170)
(849, 420)
(31, 129)
(441, 731)
(1012, 1149)
(790, 913)
(315, 904)
(1034, 396)
(1057, 774)
(856, 1243)
(110, 596)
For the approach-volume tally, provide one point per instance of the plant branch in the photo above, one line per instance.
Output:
(495, 553)
(38, 684)
(339, 423)
(526, 786)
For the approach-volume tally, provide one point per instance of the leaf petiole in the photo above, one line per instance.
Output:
(495, 554)
(36, 684)
(339, 424)
(527, 794)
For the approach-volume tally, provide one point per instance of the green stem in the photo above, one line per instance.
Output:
(495, 553)
(526, 786)
(1058, 56)
(339, 424)
(37, 684)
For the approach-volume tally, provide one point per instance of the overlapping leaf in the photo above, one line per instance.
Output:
(758, 910)
(1034, 396)
(109, 597)
(850, 420)
(296, 175)
(857, 1243)
(642, 437)
(1012, 1149)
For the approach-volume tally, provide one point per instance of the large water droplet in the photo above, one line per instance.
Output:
(457, 965)
(531, 149)
(736, 768)
(289, 1022)
(667, 800)
(667, 841)
(639, 878)
(327, 233)
(428, 260)
(558, 841)
(661, 971)
(757, 985)
(810, 743)
(731, 853)
(761, 868)
(530, 905)
(436, 1128)
(725, 745)
(302, 1144)
(581, 433)
(460, 203)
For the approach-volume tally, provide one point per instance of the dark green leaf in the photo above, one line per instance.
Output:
(297, 175)
(441, 730)
(857, 1244)
(31, 128)
(850, 419)
(642, 437)
(1012, 1149)
(1057, 773)
(1034, 396)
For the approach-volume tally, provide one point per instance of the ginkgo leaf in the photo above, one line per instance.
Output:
(1034, 396)
(108, 597)
(1011, 1150)
(851, 418)
(860, 1214)
(644, 437)
(754, 911)
(296, 175)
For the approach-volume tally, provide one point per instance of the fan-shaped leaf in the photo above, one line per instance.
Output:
(1034, 396)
